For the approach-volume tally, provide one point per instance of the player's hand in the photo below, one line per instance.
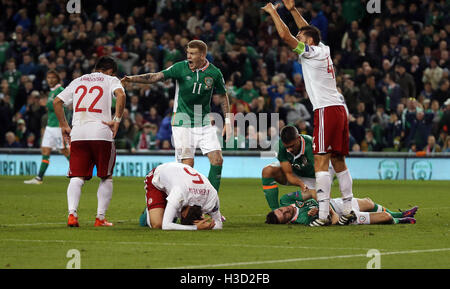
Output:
(289, 4)
(313, 212)
(66, 130)
(227, 132)
(270, 8)
(303, 187)
(113, 125)
(205, 224)
(126, 79)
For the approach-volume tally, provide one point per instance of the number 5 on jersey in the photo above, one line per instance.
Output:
(94, 102)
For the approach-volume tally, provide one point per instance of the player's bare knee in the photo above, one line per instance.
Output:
(157, 225)
(387, 218)
(217, 161)
(370, 203)
(268, 172)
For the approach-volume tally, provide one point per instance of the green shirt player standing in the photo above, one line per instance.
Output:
(52, 138)
(295, 165)
(196, 79)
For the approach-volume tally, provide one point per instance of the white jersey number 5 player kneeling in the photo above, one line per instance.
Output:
(175, 190)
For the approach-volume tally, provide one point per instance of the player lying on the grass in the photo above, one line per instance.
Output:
(176, 190)
(295, 166)
(298, 208)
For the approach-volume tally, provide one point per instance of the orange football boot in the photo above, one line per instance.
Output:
(73, 221)
(102, 223)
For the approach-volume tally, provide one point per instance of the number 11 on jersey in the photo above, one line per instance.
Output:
(199, 87)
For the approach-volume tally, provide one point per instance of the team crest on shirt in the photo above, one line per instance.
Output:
(209, 82)
(188, 77)
(303, 163)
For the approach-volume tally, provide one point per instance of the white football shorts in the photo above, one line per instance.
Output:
(187, 139)
(53, 138)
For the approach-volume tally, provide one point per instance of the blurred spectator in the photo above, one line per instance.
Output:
(446, 148)
(247, 92)
(405, 81)
(392, 91)
(431, 146)
(357, 128)
(421, 124)
(433, 74)
(295, 110)
(11, 141)
(145, 140)
(165, 130)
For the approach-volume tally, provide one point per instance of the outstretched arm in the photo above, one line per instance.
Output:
(299, 20)
(144, 78)
(282, 29)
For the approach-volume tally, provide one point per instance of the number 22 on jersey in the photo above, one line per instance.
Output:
(91, 108)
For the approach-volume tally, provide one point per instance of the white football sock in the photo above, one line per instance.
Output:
(323, 189)
(345, 186)
(74, 194)
(104, 196)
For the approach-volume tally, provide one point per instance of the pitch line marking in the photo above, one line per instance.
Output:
(306, 259)
(180, 244)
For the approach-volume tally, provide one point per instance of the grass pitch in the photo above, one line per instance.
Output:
(33, 232)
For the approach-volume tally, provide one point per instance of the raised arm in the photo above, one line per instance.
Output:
(299, 20)
(144, 78)
(282, 29)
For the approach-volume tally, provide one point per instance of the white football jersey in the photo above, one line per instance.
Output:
(319, 77)
(91, 98)
(185, 186)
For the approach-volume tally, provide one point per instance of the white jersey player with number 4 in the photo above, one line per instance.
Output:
(331, 132)
(318, 73)
(173, 186)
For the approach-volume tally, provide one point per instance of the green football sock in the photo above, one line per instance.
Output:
(215, 175)
(44, 165)
(270, 189)
(68, 157)
(395, 221)
(380, 208)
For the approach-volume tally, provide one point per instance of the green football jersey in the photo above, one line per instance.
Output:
(303, 163)
(193, 92)
(52, 119)
(303, 207)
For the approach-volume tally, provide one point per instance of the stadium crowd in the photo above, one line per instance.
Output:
(392, 67)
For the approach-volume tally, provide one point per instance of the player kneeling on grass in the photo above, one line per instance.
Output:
(296, 209)
(176, 190)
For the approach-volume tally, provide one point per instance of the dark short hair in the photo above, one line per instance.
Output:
(288, 134)
(194, 213)
(271, 218)
(311, 31)
(105, 63)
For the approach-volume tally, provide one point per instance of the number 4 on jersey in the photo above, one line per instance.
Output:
(330, 68)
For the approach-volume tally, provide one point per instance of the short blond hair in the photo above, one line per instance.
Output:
(200, 45)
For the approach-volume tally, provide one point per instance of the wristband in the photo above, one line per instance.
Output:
(117, 119)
